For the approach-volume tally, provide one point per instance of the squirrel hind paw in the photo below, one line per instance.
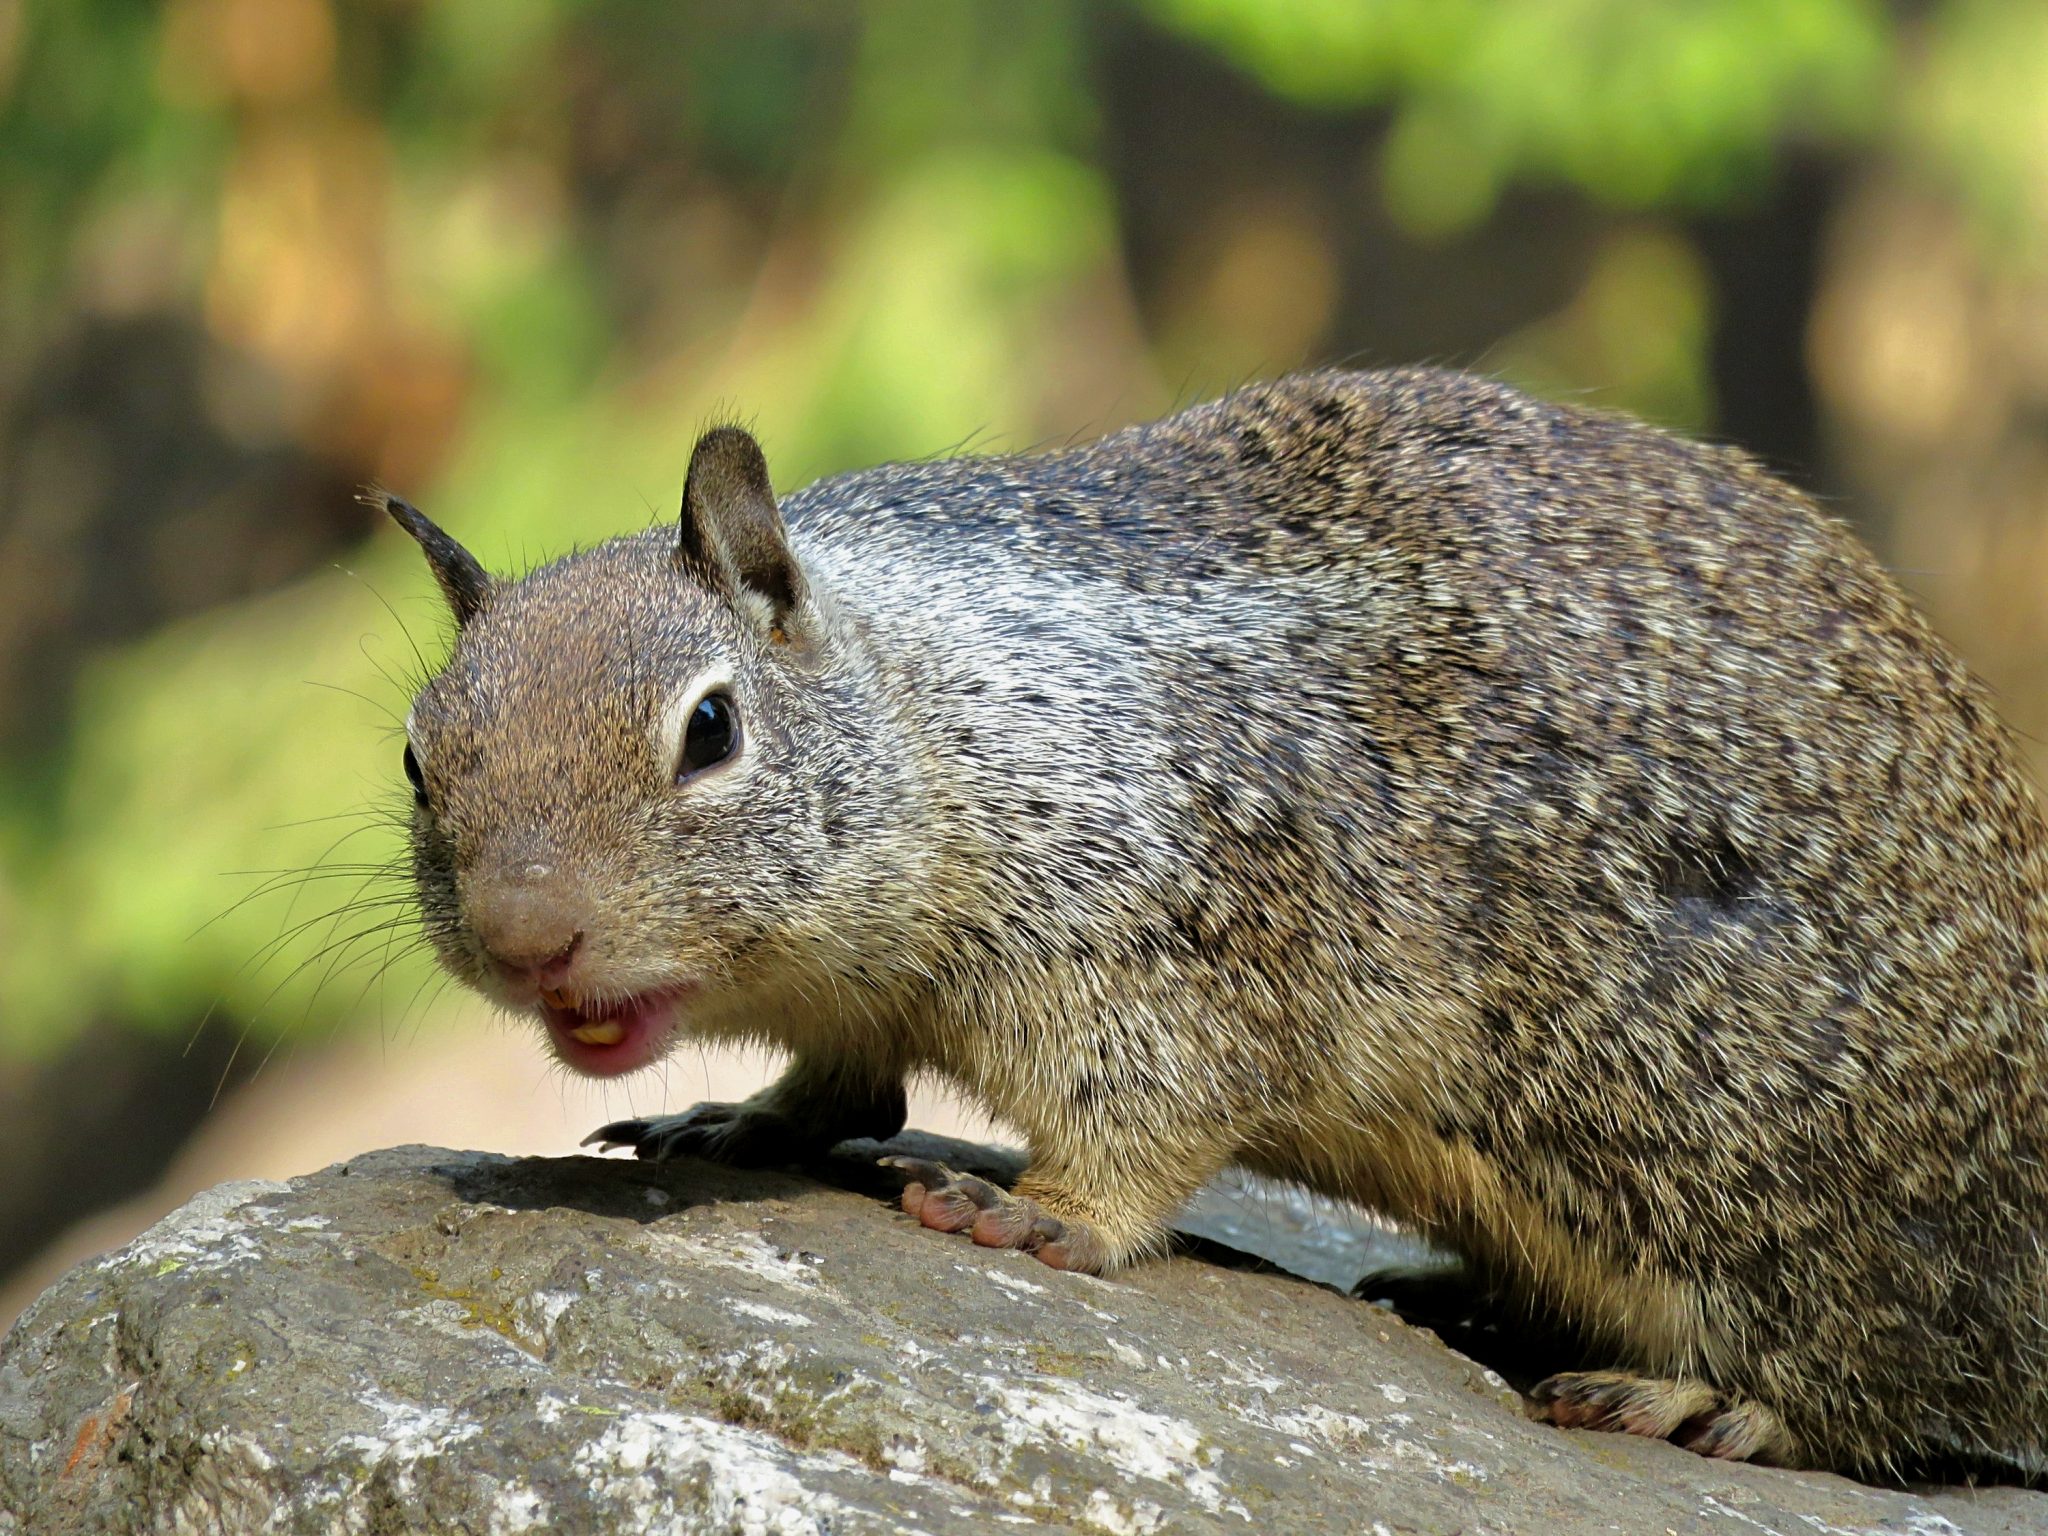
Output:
(946, 1201)
(1691, 1414)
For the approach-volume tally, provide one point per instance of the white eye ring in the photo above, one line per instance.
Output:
(675, 720)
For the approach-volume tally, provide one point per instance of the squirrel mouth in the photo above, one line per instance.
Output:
(606, 1039)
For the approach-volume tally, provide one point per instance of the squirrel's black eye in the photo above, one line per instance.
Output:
(711, 736)
(414, 776)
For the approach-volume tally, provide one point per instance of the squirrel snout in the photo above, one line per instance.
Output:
(532, 934)
(547, 972)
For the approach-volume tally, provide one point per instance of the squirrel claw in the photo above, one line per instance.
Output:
(655, 1141)
(724, 1133)
(620, 1133)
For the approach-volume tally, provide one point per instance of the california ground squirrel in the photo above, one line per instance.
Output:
(1547, 831)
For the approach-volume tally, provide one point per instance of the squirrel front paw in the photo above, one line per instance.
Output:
(745, 1135)
(947, 1201)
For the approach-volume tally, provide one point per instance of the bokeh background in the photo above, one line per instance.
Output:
(510, 255)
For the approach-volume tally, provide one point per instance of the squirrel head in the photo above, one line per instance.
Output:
(623, 796)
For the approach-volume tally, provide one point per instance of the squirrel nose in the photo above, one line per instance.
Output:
(547, 972)
(531, 930)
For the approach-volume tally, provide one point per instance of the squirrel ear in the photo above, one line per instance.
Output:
(732, 534)
(465, 583)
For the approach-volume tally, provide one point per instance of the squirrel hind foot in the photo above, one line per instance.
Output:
(1691, 1414)
(946, 1201)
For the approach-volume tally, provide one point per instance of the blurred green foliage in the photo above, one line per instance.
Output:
(1641, 104)
(1978, 113)
(873, 231)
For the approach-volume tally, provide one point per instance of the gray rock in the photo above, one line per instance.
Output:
(431, 1341)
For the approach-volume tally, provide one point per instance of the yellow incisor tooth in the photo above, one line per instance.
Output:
(603, 1032)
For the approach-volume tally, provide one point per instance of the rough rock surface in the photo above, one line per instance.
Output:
(432, 1341)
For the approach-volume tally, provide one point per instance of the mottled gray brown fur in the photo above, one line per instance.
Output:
(1550, 832)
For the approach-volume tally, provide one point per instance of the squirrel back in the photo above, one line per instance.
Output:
(1552, 832)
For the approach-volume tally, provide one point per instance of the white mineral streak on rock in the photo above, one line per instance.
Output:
(1132, 1440)
(1015, 1284)
(518, 1509)
(905, 1455)
(211, 1231)
(1128, 1355)
(1247, 1374)
(1377, 1446)
(916, 1353)
(749, 1255)
(1917, 1523)
(411, 1432)
(760, 1312)
(667, 1472)
(543, 1309)
(1142, 1518)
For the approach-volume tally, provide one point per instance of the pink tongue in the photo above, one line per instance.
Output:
(627, 1036)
